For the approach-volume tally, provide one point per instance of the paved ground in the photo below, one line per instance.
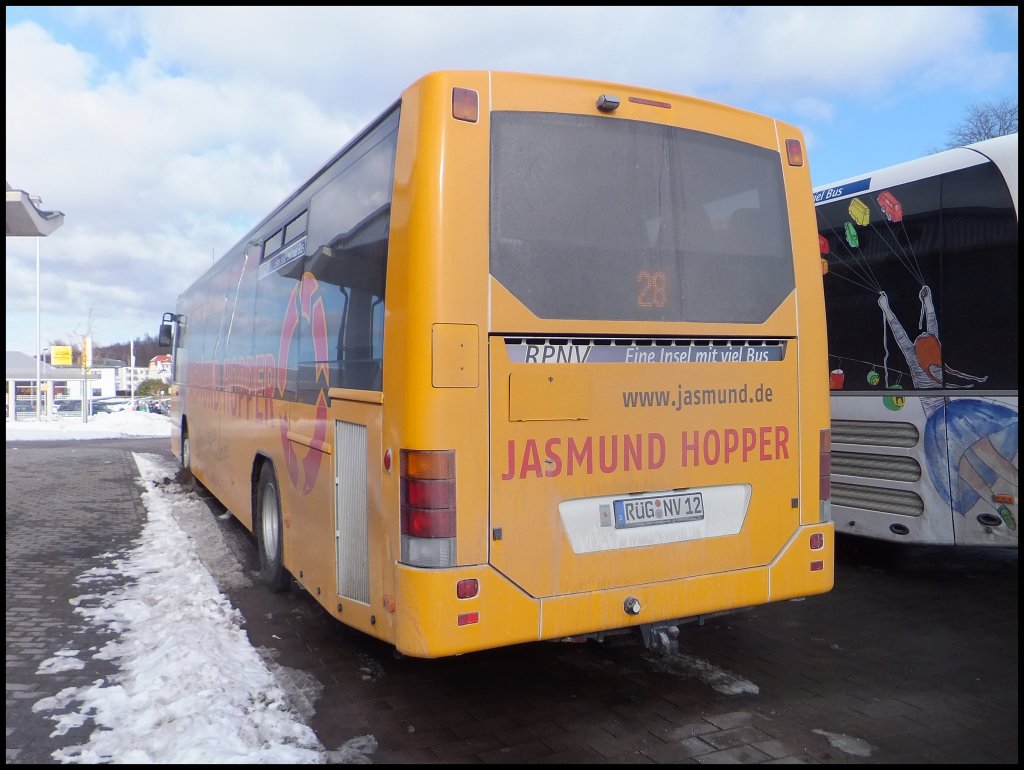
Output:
(911, 659)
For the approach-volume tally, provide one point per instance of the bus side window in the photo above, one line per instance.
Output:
(349, 223)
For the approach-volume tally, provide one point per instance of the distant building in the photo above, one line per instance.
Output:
(127, 376)
(57, 383)
(160, 367)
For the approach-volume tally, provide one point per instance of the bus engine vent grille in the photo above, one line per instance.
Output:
(870, 433)
(876, 499)
(887, 467)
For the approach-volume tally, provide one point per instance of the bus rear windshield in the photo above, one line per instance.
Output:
(606, 219)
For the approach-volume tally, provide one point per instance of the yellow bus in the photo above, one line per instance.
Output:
(530, 358)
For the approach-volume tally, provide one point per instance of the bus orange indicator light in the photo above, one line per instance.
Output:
(428, 465)
(469, 617)
(794, 152)
(468, 588)
(1007, 499)
(465, 105)
(650, 102)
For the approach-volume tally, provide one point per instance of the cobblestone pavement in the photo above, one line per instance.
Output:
(68, 510)
(912, 658)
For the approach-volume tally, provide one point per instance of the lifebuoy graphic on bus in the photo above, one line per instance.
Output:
(304, 304)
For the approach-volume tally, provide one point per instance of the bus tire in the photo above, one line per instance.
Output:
(268, 531)
(185, 476)
(186, 452)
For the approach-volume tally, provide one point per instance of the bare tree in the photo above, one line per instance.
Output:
(984, 121)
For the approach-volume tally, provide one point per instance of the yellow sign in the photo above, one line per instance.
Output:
(60, 355)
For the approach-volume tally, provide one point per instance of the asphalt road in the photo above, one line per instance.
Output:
(912, 658)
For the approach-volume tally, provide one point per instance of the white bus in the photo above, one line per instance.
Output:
(921, 300)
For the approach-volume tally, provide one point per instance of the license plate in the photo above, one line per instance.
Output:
(658, 509)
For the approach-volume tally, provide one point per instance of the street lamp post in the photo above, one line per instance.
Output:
(36, 200)
(24, 218)
(131, 371)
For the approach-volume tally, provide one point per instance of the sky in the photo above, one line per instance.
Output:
(190, 687)
(165, 133)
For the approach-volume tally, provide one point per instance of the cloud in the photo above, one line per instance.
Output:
(165, 133)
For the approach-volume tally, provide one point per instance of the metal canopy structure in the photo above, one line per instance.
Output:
(24, 218)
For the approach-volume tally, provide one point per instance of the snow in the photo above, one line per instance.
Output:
(190, 687)
(103, 425)
(858, 747)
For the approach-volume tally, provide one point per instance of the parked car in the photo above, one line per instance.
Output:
(74, 406)
(113, 404)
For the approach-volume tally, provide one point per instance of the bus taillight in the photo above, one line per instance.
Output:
(428, 508)
(825, 476)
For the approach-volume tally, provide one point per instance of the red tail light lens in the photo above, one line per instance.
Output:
(418, 522)
(468, 588)
(429, 493)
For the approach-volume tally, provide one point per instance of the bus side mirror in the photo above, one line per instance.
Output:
(166, 336)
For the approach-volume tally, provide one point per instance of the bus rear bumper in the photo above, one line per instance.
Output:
(431, 621)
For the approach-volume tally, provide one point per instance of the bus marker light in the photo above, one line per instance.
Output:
(817, 566)
(1008, 499)
(387, 461)
(817, 541)
(469, 617)
(794, 152)
(465, 105)
(468, 588)
(607, 103)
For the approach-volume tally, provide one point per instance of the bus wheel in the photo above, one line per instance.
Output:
(268, 531)
(185, 477)
(186, 452)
